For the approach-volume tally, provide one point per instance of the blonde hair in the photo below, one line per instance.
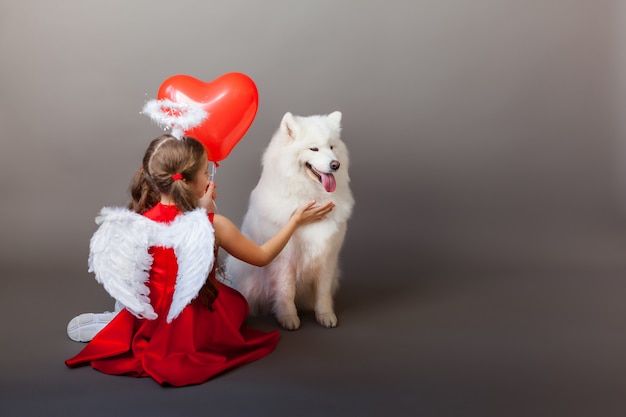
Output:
(165, 157)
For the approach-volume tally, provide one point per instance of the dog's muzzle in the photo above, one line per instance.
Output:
(326, 179)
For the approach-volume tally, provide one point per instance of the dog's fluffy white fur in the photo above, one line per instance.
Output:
(305, 160)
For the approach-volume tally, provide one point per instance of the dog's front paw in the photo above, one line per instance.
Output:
(289, 322)
(327, 319)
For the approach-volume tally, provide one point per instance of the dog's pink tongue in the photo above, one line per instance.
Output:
(328, 181)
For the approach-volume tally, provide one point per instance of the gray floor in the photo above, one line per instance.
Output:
(472, 330)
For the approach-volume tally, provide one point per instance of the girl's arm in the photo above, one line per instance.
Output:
(229, 238)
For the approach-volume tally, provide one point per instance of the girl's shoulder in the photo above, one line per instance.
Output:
(222, 227)
(220, 220)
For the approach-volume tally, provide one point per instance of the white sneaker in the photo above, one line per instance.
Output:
(84, 327)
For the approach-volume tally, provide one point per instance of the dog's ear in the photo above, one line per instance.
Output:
(335, 119)
(288, 125)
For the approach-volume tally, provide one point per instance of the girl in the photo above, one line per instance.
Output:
(178, 326)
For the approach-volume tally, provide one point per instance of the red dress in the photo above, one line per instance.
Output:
(199, 344)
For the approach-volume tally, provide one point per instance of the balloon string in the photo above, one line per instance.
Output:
(214, 166)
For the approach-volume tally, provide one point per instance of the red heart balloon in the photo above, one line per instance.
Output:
(230, 100)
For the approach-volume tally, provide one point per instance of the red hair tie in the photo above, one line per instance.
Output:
(177, 177)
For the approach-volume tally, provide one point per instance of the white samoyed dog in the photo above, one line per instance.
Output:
(305, 160)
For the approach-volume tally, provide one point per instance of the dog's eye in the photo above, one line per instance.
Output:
(314, 149)
(332, 147)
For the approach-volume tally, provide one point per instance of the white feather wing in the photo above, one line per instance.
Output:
(192, 237)
(120, 260)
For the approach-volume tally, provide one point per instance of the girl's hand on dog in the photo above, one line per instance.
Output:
(310, 213)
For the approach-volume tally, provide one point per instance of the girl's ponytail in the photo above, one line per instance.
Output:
(169, 167)
(143, 195)
(181, 193)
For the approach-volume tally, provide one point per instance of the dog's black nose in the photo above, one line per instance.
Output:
(334, 165)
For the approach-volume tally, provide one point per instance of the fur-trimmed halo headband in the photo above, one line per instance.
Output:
(180, 117)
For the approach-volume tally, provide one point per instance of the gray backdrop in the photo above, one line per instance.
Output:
(484, 261)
